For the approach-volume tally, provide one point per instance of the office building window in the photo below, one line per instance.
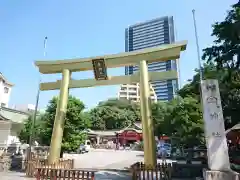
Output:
(150, 34)
(6, 89)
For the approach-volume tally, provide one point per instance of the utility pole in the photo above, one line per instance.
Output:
(197, 45)
(32, 135)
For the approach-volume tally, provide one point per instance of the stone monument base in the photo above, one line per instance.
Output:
(220, 175)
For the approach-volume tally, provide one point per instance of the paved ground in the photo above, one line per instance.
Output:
(109, 164)
(101, 175)
(107, 159)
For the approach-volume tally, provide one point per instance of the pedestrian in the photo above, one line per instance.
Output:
(164, 155)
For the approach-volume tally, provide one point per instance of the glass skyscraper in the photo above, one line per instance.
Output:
(149, 34)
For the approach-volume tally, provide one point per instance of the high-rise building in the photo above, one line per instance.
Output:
(132, 92)
(149, 34)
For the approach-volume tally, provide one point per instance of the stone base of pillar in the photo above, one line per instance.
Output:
(220, 175)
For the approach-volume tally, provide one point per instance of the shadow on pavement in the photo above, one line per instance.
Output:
(100, 175)
(106, 175)
(123, 170)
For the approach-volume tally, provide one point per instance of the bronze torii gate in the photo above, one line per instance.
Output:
(99, 65)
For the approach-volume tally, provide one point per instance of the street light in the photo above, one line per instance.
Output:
(31, 138)
(197, 45)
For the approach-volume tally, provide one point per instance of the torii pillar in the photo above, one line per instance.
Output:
(149, 143)
(57, 134)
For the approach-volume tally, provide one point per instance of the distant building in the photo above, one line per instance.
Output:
(29, 108)
(5, 91)
(132, 92)
(148, 34)
(127, 135)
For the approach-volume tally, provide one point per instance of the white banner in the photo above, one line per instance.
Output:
(218, 158)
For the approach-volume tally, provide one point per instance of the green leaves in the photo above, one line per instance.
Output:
(26, 131)
(114, 114)
(75, 122)
(179, 118)
(227, 43)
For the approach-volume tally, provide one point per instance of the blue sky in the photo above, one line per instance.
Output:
(81, 28)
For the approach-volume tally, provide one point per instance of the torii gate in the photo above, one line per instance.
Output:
(100, 64)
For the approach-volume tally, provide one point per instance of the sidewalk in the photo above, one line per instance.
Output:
(100, 175)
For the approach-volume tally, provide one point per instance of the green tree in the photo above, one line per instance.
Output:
(75, 122)
(184, 119)
(114, 114)
(227, 43)
(27, 131)
(159, 114)
(180, 117)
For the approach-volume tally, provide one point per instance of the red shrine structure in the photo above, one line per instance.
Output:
(127, 135)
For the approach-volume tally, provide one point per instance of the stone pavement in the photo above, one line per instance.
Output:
(107, 159)
(101, 175)
(13, 176)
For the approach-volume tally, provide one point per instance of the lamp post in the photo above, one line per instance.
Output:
(31, 138)
(197, 45)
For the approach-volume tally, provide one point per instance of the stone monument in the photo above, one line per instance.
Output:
(217, 149)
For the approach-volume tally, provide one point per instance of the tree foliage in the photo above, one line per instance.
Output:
(179, 118)
(223, 61)
(186, 121)
(75, 122)
(159, 114)
(114, 114)
(227, 43)
(26, 132)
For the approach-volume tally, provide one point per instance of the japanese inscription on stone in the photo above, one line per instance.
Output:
(214, 126)
(212, 109)
(216, 134)
(214, 116)
(99, 68)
